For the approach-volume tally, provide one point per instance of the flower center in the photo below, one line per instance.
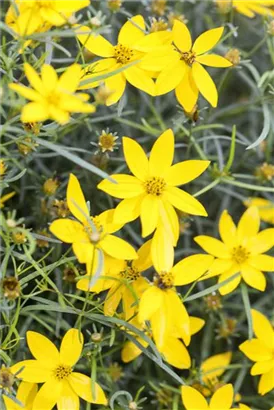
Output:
(188, 57)
(131, 274)
(53, 98)
(62, 372)
(94, 236)
(240, 254)
(155, 186)
(164, 280)
(123, 54)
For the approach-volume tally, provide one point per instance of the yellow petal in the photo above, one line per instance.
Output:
(162, 251)
(140, 79)
(116, 84)
(227, 229)
(191, 268)
(256, 350)
(113, 299)
(144, 257)
(249, 223)
(83, 251)
(181, 36)
(130, 351)
(213, 246)
(82, 385)
(232, 284)
(42, 348)
(34, 112)
(169, 220)
(94, 70)
(26, 394)
(262, 262)
(96, 44)
(176, 354)
(262, 242)
(218, 362)
(106, 220)
(76, 200)
(185, 171)
(218, 267)
(33, 78)
(128, 209)
(71, 347)
(266, 383)
(213, 60)
(25, 92)
(178, 316)
(49, 78)
(160, 326)
(196, 324)
(149, 214)
(261, 367)
(162, 154)
(33, 371)
(132, 31)
(136, 158)
(184, 201)
(58, 114)
(68, 231)
(117, 247)
(150, 302)
(205, 84)
(126, 186)
(253, 277)
(48, 394)
(193, 399)
(187, 92)
(170, 77)
(154, 42)
(222, 398)
(68, 399)
(262, 328)
(207, 40)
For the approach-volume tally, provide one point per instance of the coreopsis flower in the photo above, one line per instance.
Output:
(132, 46)
(222, 399)
(265, 207)
(183, 66)
(89, 235)
(5, 198)
(241, 250)
(162, 306)
(174, 350)
(124, 282)
(61, 385)
(27, 17)
(152, 192)
(261, 351)
(248, 8)
(25, 394)
(52, 97)
(107, 141)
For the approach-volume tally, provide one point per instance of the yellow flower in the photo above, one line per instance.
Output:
(127, 283)
(152, 192)
(161, 304)
(27, 17)
(132, 46)
(107, 141)
(62, 386)
(174, 351)
(90, 235)
(261, 351)
(214, 366)
(5, 198)
(250, 8)
(222, 399)
(52, 97)
(185, 71)
(265, 207)
(241, 250)
(25, 394)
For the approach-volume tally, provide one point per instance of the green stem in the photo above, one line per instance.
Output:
(232, 150)
(247, 307)
(248, 186)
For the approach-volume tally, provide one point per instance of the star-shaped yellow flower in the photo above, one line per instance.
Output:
(241, 250)
(89, 235)
(265, 207)
(52, 97)
(152, 192)
(184, 71)
(261, 351)
(133, 45)
(248, 8)
(222, 399)
(61, 385)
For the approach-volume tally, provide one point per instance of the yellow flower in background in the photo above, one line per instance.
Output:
(184, 71)
(61, 385)
(52, 97)
(5, 198)
(25, 394)
(125, 282)
(241, 250)
(213, 367)
(265, 207)
(174, 351)
(161, 304)
(249, 8)
(152, 192)
(261, 351)
(27, 17)
(132, 46)
(89, 235)
(222, 399)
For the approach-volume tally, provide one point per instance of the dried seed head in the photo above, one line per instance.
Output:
(11, 287)
(50, 186)
(6, 378)
(234, 56)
